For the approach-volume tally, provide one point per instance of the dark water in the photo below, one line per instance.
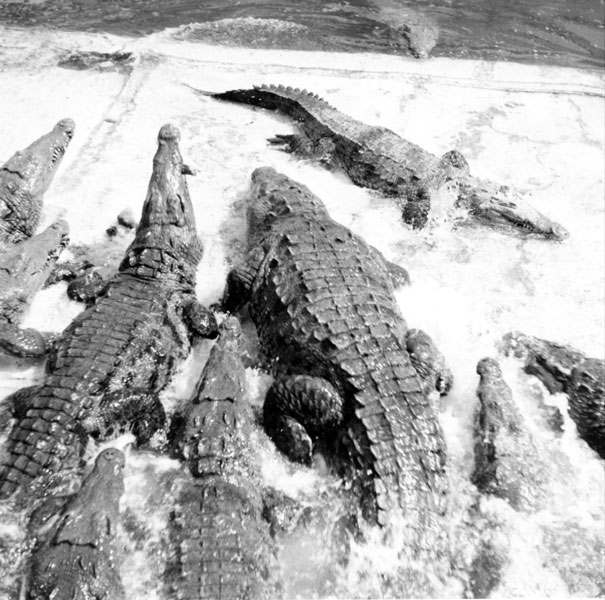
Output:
(560, 32)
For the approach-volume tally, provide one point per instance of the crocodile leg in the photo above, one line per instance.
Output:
(292, 143)
(136, 410)
(68, 271)
(322, 149)
(429, 363)
(200, 320)
(25, 343)
(15, 405)
(298, 409)
(417, 207)
(398, 275)
(239, 281)
(87, 287)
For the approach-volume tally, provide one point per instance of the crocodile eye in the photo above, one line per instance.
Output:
(110, 454)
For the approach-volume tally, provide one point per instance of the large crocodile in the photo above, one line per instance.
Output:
(110, 363)
(24, 268)
(323, 304)
(24, 179)
(222, 548)
(75, 556)
(378, 158)
(565, 369)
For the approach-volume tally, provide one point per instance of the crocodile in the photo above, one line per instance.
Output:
(24, 269)
(508, 461)
(107, 368)
(377, 158)
(222, 543)
(531, 472)
(565, 369)
(323, 303)
(75, 555)
(24, 179)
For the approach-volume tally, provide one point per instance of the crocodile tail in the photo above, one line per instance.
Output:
(287, 100)
(44, 441)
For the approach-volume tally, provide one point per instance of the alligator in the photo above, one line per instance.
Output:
(24, 179)
(508, 462)
(75, 556)
(328, 323)
(377, 158)
(24, 269)
(106, 369)
(222, 543)
(565, 369)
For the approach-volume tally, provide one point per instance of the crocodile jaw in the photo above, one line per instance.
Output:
(501, 209)
(31, 170)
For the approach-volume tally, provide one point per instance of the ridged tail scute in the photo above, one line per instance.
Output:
(45, 440)
(166, 239)
(284, 99)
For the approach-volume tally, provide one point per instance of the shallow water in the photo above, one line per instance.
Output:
(470, 285)
(550, 32)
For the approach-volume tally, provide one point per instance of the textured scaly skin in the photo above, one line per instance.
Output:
(323, 305)
(508, 462)
(24, 268)
(24, 179)
(565, 369)
(124, 349)
(222, 546)
(378, 158)
(77, 559)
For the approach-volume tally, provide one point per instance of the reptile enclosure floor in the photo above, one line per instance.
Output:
(538, 129)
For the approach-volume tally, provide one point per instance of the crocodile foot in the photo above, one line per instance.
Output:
(297, 410)
(429, 363)
(24, 343)
(139, 411)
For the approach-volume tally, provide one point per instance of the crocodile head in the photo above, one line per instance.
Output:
(91, 517)
(29, 172)
(500, 208)
(24, 267)
(166, 241)
(275, 197)
(550, 362)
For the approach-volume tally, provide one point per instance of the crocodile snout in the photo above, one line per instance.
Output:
(169, 132)
(111, 457)
(559, 232)
(68, 126)
(61, 226)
